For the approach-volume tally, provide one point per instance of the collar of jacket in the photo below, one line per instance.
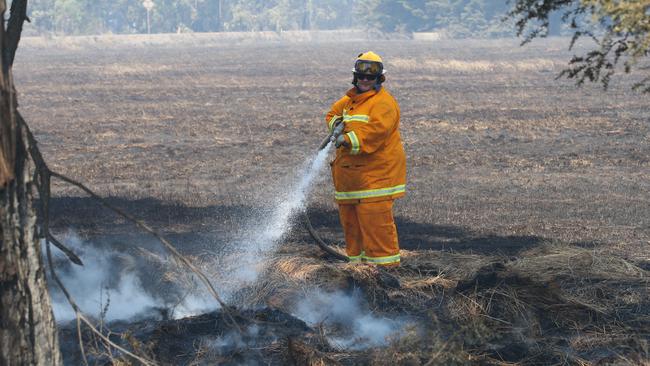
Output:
(358, 98)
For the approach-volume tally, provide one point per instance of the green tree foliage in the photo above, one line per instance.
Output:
(462, 18)
(73, 17)
(171, 16)
(88, 17)
(42, 15)
(620, 28)
(208, 16)
(385, 15)
(471, 17)
(332, 14)
(458, 18)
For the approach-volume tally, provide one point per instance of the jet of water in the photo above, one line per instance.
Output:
(295, 203)
(248, 257)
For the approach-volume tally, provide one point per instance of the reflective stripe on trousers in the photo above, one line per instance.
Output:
(391, 259)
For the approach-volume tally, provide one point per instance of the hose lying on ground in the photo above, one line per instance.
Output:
(326, 248)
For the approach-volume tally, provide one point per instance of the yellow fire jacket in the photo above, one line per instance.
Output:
(373, 167)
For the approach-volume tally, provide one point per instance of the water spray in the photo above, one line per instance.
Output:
(246, 259)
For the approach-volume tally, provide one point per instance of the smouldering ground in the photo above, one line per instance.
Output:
(527, 219)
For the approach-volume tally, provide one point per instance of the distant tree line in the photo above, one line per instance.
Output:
(456, 17)
(620, 28)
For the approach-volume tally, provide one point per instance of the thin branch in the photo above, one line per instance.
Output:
(73, 257)
(81, 343)
(88, 323)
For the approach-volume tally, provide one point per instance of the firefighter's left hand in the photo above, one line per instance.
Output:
(340, 141)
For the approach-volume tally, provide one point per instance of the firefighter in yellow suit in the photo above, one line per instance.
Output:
(369, 170)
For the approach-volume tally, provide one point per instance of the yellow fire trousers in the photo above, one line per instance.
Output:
(370, 232)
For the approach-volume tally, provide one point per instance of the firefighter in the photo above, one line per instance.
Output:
(369, 170)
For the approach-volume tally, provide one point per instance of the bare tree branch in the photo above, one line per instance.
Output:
(73, 257)
(81, 342)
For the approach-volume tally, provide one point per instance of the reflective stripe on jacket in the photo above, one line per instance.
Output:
(373, 167)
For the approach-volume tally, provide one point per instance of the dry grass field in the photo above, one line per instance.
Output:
(526, 228)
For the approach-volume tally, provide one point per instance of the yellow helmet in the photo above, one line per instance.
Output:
(369, 63)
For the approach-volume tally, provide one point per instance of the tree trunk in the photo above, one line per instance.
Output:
(27, 327)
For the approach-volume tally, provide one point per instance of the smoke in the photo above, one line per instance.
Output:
(197, 302)
(110, 286)
(350, 325)
(107, 285)
(239, 348)
(234, 341)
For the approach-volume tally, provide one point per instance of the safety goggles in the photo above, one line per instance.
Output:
(365, 77)
(367, 67)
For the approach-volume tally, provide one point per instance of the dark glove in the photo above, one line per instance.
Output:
(339, 126)
(340, 141)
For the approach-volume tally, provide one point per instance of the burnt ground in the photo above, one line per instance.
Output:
(525, 228)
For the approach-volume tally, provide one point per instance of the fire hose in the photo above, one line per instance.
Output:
(330, 139)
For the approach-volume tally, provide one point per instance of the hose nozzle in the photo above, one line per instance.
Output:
(336, 132)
